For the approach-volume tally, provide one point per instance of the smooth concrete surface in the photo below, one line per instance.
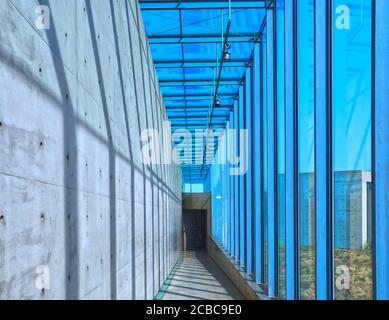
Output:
(249, 289)
(352, 209)
(79, 210)
(196, 277)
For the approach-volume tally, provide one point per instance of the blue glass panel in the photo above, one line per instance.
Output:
(271, 160)
(170, 17)
(201, 21)
(281, 148)
(166, 52)
(290, 149)
(381, 139)
(265, 240)
(306, 149)
(352, 178)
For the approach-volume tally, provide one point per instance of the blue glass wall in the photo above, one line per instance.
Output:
(308, 220)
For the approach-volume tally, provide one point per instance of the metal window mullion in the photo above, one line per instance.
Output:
(227, 190)
(252, 160)
(249, 209)
(232, 189)
(227, 184)
(257, 163)
(232, 183)
(242, 186)
(236, 177)
(263, 117)
(323, 149)
(381, 147)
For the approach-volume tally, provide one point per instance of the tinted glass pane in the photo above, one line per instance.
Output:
(352, 148)
(264, 159)
(281, 147)
(306, 152)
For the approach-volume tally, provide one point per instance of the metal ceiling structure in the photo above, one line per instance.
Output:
(188, 40)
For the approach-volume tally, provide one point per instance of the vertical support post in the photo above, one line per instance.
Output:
(237, 185)
(249, 188)
(257, 164)
(323, 156)
(242, 182)
(381, 147)
(291, 193)
(231, 151)
(227, 184)
(271, 143)
(227, 189)
(232, 183)
(223, 205)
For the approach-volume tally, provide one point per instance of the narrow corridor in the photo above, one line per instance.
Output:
(197, 277)
(194, 150)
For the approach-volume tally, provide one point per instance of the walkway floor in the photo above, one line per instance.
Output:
(197, 277)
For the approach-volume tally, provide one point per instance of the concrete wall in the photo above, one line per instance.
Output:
(75, 196)
(352, 209)
(352, 213)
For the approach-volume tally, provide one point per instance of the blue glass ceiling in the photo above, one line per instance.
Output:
(187, 47)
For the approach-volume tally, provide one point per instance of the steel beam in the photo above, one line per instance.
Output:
(209, 80)
(195, 108)
(201, 36)
(196, 117)
(171, 61)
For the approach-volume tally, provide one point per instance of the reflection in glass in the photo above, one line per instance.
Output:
(352, 113)
(306, 149)
(281, 148)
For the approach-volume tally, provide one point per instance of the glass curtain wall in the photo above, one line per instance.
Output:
(351, 231)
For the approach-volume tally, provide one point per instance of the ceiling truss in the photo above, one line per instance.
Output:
(183, 89)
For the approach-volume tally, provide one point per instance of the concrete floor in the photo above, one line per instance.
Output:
(196, 277)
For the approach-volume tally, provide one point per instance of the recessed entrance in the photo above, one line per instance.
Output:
(195, 230)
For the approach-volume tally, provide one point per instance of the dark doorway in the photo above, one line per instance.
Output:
(195, 230)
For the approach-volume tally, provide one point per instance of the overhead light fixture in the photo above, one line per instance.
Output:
(227, 52)
(217, 101)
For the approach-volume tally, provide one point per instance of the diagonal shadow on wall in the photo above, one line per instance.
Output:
(70, 169)
(111, 151)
